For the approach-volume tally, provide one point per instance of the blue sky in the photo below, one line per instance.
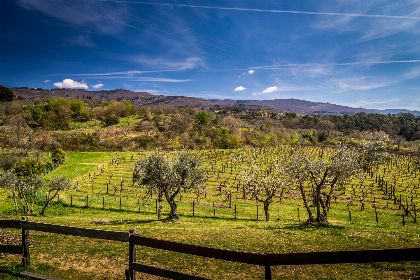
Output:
(348, 52)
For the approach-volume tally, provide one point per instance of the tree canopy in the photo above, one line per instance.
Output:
(6, 94)
(168, 177)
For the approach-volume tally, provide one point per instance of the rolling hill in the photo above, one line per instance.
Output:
(145, 98)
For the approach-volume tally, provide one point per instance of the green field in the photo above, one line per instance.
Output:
(214, 224)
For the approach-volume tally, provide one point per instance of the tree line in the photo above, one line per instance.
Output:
(75, 124)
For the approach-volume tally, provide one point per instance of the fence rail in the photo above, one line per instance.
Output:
(258, 259)
(10, 223)
(11, 249)
(221, 254)
(266, 260)
(75, 231)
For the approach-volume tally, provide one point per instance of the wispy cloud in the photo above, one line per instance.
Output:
(188, 63)
(106, 18)
(165, 65)
(368, 103)
(375, 29)
(366, 83)
(361, 84)
(276, 11)
(82, 40)
(120, 74)
(350, 63)
(160, 80)
(146, 90)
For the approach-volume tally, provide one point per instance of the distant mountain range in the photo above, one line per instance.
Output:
(145, 98)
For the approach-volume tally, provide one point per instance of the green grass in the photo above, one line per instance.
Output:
(66, 256)
(69, 257)
(79, 163)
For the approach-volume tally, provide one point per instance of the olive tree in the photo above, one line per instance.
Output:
(55, 185)
(371, 154)
(264, 181)
(154, 172)
(320, 178)
(23, 189)
(169, 177)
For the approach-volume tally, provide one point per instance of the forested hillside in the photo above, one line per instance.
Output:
(100, 125)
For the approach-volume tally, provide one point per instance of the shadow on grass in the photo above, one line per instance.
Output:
(308, 225)
(123, 222)
(221, 218)
(154, 213)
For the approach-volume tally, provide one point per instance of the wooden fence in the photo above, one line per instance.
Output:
(258, 259)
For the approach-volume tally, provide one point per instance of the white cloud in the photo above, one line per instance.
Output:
(270, 90)
(98, 86)
(251, 72)
(69, 83)
(47, 81)
(239, 88)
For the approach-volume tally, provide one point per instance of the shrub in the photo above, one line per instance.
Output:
(6, 94)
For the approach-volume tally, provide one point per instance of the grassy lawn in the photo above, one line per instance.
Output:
(66, 256)
(69, 257)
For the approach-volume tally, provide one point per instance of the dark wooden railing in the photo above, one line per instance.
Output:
(14, 248)
(258, 259)
(265, 260)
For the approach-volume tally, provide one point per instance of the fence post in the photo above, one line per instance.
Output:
(235, 211)
(214, 211)
(103, 203)
(131, 255)
(71, 200)
(257, 212)
(87, 201)
(193, 205)
(267, 268)
(299, 214)
(25, 244)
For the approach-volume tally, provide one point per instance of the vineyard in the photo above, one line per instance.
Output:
(391, 190)
(375, 209)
